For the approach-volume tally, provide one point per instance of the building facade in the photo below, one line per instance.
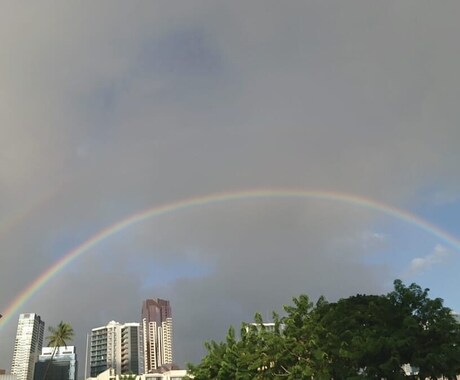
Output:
(27, 346)
(8, 377)
(156, 334)
(115, 346)
(174, 374)
(62, 365)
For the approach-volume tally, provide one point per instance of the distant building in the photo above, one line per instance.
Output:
(156, 334)
(175, 374)
(27, 346)
(115, 346)
(5, 376)
(63, 366)
(267, 326)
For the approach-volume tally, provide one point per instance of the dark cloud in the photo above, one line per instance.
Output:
(107, 109)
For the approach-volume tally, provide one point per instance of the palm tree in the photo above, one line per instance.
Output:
(59, 336)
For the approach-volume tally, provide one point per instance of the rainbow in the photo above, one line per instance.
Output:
(212, 199)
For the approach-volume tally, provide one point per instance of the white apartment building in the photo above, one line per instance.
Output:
(115, 346)
(27, 346)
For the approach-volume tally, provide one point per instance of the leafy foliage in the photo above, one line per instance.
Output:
(60, 335)
(364, 336)
(128, 376)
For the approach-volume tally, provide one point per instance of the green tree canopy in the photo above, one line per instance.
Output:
(363, 336)
(128, 376)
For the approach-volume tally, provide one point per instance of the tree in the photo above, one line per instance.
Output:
(252, 356)
(433, 331)
(363, 336)
(359, 335)
(261, 353)
(301, 354)
(128, 376)
(59, 337)
(210, 365)
(369, 336)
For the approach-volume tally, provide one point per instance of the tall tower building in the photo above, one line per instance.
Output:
(156, 334)
(27, 346)
(115, 346)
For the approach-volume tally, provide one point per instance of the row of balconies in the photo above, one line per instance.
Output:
(99, 339)
(98, 357)
(98, 344)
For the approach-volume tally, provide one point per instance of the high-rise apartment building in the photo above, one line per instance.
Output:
(27, 346)
(115, 346)
(131, 348)
(62, 367)
(156, 334)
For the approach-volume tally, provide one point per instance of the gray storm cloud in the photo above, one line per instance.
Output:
(110, 108)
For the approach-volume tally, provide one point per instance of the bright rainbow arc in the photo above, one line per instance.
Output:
(211, 199)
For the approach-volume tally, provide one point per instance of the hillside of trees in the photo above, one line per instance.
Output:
(360, 337)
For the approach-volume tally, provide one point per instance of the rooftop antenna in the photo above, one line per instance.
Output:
(86, 357)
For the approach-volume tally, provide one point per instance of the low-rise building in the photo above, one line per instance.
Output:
(173, 374)
(58, 363)
(7, 376)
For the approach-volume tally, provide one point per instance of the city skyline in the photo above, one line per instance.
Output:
(226, 156)
(117, 346)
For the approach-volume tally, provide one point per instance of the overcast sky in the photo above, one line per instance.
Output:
(108, 108)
